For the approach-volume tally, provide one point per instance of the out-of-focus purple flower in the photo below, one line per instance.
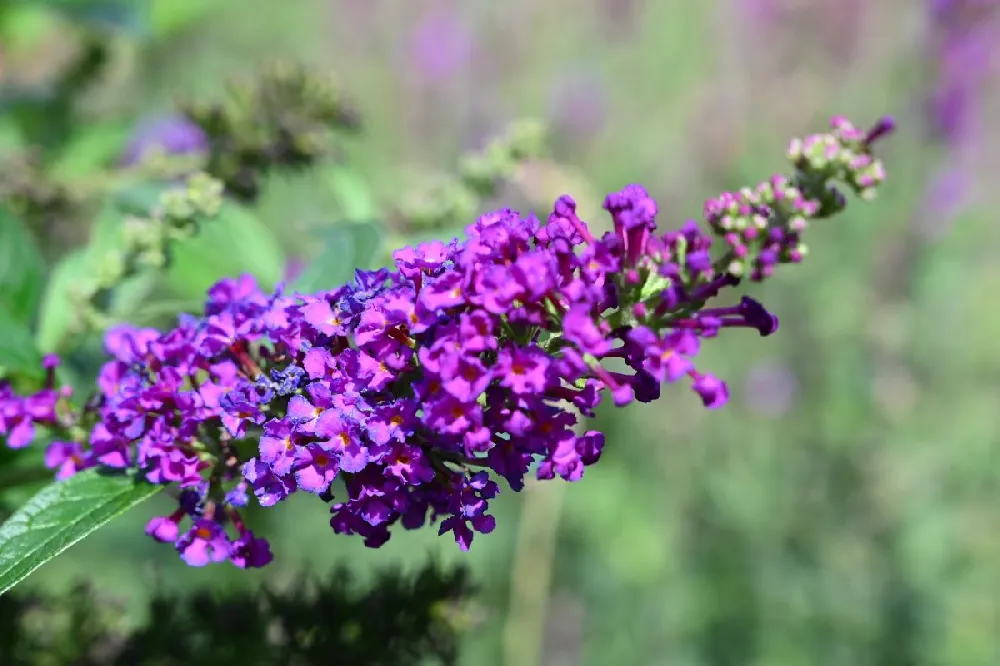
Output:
(440, 45)
(778, 27)
(620, 16)
(770, 388)
(947, 194)
(760, 12)
(965, 40)
(965, 37)
(174, 135)
(958, 13)
(963, 63)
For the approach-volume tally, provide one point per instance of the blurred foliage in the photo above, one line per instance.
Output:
(441, 203)
(284, 118)
(395, 619)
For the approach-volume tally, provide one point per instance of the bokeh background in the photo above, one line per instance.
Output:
(844, 509)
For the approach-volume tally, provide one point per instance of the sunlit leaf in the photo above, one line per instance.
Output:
(18, 353)
(171, 16)
(345, 247)
(61, 515)
(22, 269)
(91, 149)
(57, 305)
(234, 243)
(355, 198)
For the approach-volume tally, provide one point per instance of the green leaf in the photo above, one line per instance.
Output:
(22, 268)
(140, 198)
(18, 353)
(356, 200)
(78, 266)
(56, 313)
(105, 235)
(172, 16)
(10, 135)
(24, 25)
(235, 242)
(345, 247)
(91, 149)
(62, 514)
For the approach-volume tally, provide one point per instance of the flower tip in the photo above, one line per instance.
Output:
(886, 125)
(565, 206)
(771, 328)
(714, 392)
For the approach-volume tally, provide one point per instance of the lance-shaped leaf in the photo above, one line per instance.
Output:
(18, 354)
(345, 247)
(235, 242)
(62, 514)
(22, 269)
(354, 197)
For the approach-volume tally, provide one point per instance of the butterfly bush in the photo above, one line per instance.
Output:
(402, 398)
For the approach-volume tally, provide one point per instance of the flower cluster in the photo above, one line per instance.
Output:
(21, 415)
(394, 398)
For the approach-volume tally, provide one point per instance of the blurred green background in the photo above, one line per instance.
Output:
(844, 509)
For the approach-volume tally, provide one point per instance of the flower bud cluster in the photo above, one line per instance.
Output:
(762, 226)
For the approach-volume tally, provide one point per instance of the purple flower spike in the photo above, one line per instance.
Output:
(397, 399)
